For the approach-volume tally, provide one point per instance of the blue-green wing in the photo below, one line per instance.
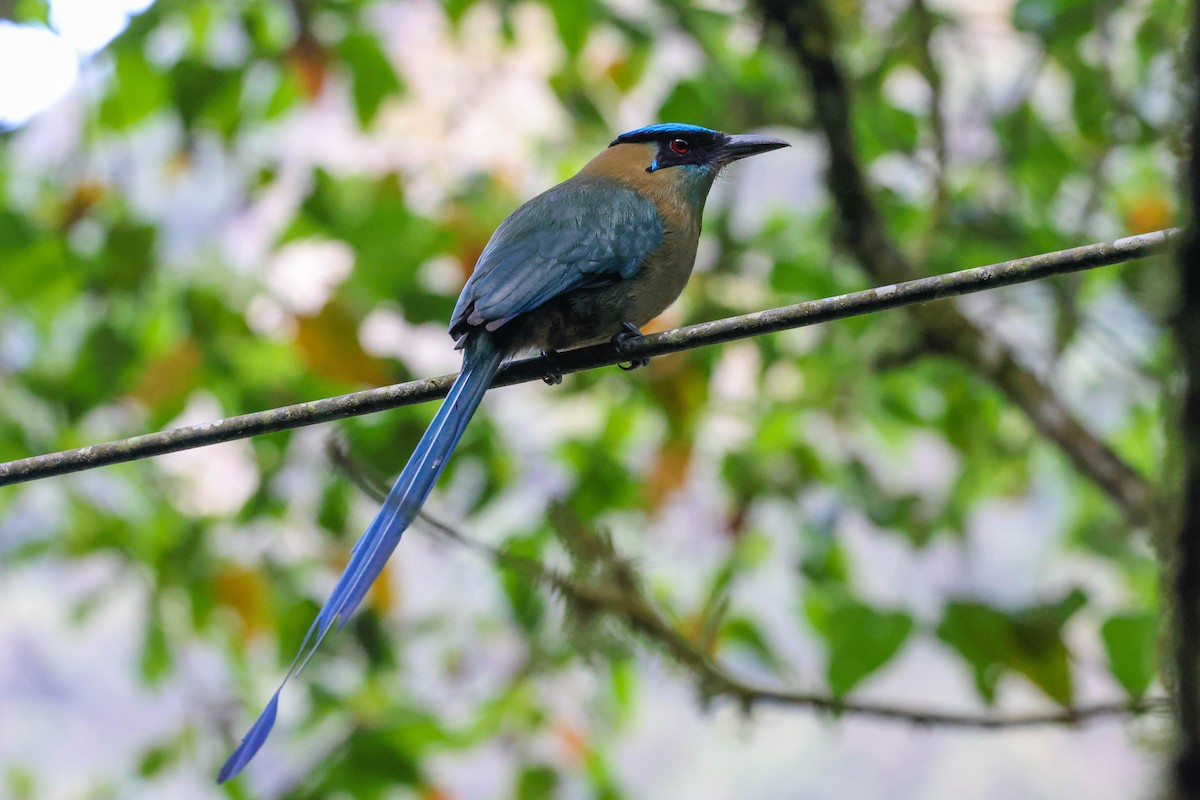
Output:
(579, 234)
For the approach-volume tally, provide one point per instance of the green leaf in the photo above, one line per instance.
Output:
(861, 639)
(743, 632)
(334, 508)
(155, 760)
(129, 257)
(139, 91)
(885, 129)
(456, 8)
(1129, 640)
(824, 561)
(574, 20)
(1028, 642)
(528, 607)
(374, 77)
(1090, 108)
(1063, 20)
(373, 638)
(286, 95)
(624, 685)
(373, 761)
(20, 782)
(270, 26)
(206, 96)
(26, 11)
(983, 637)
(524, 598)
(156, 656)
(537, 783)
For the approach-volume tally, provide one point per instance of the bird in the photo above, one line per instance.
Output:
(592, 259)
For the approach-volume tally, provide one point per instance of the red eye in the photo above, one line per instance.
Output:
(680, 146)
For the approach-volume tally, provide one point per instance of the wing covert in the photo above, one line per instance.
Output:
(578, 234)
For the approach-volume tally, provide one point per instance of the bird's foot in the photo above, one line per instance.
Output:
(554, 373)
(629, 334)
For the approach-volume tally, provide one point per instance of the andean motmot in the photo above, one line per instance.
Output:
(591, 259)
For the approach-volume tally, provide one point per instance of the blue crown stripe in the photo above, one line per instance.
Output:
(662, 128)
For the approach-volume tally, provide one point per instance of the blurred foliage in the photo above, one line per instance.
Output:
(143, 285)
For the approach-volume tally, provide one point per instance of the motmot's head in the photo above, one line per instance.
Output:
(693, 148)
(684, 159)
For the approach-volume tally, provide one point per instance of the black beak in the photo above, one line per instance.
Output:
(741, 146)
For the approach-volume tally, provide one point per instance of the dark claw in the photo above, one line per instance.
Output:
(554, 375)
(629, 334)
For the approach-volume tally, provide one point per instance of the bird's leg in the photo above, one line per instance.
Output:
(629, 334)
(554, 373)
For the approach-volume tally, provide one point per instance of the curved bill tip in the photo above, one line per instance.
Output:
(743, 145)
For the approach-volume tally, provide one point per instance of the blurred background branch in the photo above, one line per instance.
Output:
(613, 586)
(810, 32)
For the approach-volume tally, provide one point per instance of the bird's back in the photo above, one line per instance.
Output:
(613, 244)
(545, 277)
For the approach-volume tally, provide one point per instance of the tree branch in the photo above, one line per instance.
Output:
(620, 596)
(907, 293)
(1186, 553)
(809, 32)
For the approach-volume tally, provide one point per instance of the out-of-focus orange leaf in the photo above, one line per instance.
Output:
(308, 61)
(171, 376)
(382, 596)
(663, 322)
(469, 235)
(1148, 212)
(434, 793)
(86, 195)
(242, 590)
(178, 165)
(573, 741)
(696, 629)
(681, 389)
(614, 70)
(328, 343)
(668, 473)
(468, 252)
(625, 73)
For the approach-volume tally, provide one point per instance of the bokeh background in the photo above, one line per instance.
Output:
(208, 209)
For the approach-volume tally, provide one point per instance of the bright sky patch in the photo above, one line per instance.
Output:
(48, 59)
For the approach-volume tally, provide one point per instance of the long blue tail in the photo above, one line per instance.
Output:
(481, 359)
